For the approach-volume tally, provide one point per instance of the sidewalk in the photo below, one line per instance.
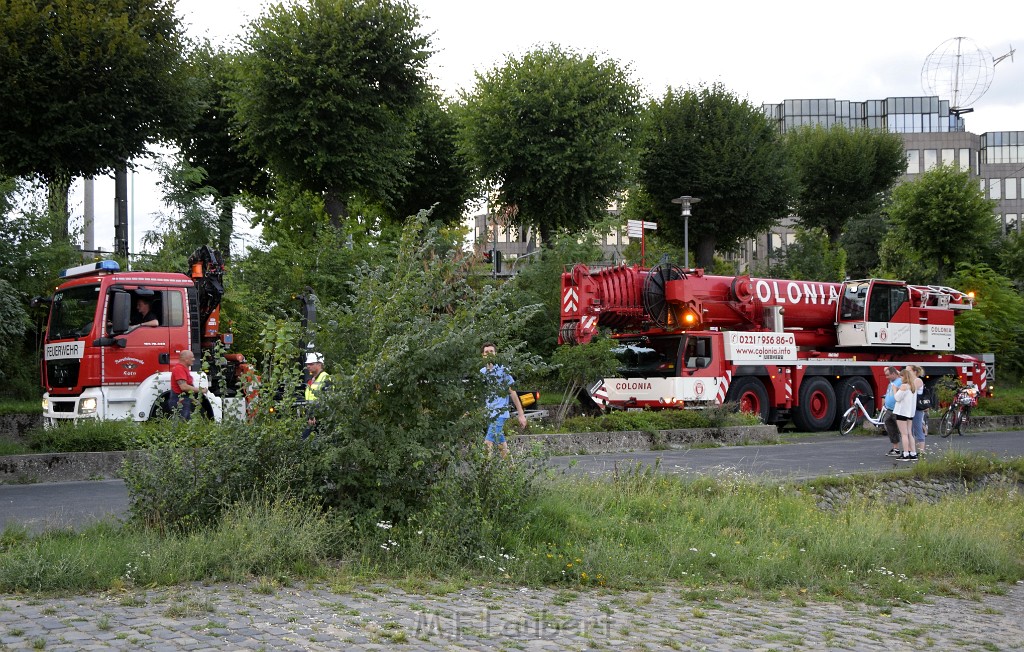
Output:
(248, 617)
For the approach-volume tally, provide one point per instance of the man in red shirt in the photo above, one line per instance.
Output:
(182, 384)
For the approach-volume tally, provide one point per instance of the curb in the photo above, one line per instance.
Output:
(71, 467)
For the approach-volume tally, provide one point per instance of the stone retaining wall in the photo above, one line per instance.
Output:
(13, 427)
(587, 443)
(60, 467)
(903, 492)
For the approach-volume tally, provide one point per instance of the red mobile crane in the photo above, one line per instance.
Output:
(780, 348)
(97, 365)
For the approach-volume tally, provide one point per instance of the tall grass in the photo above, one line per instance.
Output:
(259, 539)
(638, 528)
(646, 528)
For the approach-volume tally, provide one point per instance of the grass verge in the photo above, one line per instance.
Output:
(638, 528)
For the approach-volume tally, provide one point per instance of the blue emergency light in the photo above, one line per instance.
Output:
(100, 267)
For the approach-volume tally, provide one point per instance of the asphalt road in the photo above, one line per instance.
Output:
(805, 458)
(74, 504)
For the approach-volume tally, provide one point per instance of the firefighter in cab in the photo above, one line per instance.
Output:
(319, 382)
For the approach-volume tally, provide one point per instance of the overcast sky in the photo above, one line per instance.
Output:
(764, 52)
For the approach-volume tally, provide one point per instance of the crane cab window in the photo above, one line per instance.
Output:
(649, 357)
(885, 301)
(697, 354)
(851, 308)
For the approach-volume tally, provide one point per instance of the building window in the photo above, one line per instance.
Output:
(1011, 188)
(930, 159)
(913, 161)
(1012, 224)
(965, 159)
(947, 157)
(994, 188)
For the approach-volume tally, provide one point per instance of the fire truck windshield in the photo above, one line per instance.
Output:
(72, 312)
(647, 357)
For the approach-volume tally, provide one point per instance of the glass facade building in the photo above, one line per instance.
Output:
(905, 115)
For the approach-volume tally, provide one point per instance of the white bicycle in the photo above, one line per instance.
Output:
(853, 416)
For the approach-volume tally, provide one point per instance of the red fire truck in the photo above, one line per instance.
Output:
(100, 363)
(782, 349)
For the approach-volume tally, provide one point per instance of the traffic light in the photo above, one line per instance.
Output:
(493, 257)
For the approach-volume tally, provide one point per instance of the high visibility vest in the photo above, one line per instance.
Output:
(314, 385)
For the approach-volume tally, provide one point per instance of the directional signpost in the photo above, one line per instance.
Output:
(635, 229)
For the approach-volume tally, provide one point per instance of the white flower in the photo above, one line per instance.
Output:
(385, 525)
(713, 555)
(693, 550)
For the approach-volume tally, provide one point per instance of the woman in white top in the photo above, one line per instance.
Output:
(906, 407)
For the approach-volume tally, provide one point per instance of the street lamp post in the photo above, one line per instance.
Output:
(686, 203)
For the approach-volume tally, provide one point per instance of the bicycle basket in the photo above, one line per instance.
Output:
(968, 398)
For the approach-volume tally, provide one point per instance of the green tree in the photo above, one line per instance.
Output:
(32, 253)
(439, 174)
(213, 145)
(862, 241)
(552, 132)
(842, 173)
(1011, 259)
(812, 257)
(707, 143)
(326, 94)
(88, 85)
(539, 282)
(996, 324)
(937, 221)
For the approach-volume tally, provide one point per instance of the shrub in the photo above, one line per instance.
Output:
(405, 402)
(85, 436)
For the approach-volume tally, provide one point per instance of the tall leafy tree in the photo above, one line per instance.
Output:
(326, 94)
(439, 174)
(842, 173)
(213, 143)
(707, 143)
(862, 240)
(996, 324)
(937, 221)
(552, 132)
(87, 86)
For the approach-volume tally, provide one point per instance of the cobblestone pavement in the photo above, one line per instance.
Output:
(258, 616)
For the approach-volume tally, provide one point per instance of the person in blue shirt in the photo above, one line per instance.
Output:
(891, 428)
(502, 391)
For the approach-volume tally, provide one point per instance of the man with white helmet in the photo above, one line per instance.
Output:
(319, 381)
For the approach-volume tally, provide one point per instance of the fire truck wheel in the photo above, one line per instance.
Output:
(846, 390)
(817, 409)
(750, 396)
(159, 409)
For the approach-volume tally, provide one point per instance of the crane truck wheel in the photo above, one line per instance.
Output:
(750, 396)
(846, 390)
(817, 409)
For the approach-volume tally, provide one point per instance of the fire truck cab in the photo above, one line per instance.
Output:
(101, 362)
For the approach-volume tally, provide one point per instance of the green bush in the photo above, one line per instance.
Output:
(191, 472)
(405, 402)
(87, 435)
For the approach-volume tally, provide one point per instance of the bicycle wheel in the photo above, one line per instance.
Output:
(946, 423)
(849, 421)
(965, 421)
